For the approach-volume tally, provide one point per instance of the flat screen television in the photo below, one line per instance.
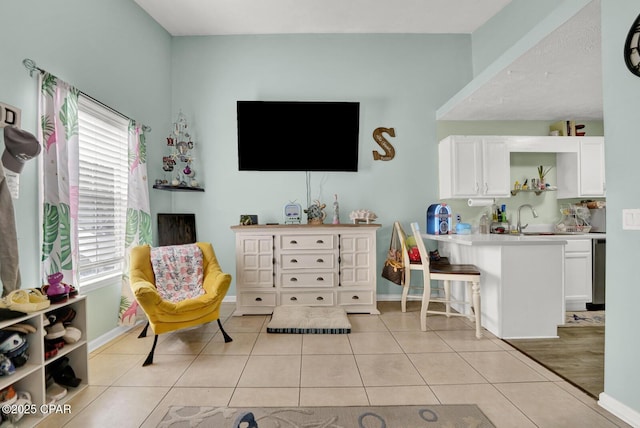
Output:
(176, 229)
(298, 135)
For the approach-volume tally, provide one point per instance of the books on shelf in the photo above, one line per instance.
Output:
(567, 128)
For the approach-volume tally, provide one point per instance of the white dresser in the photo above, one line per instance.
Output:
(307, 265)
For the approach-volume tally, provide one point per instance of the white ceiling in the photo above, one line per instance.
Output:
(558, 78)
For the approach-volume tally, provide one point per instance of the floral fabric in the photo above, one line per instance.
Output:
(179, 271)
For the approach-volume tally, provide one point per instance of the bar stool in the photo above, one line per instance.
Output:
(469, 274)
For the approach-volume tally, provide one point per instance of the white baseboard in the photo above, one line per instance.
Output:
(618, 409)
(108, 336)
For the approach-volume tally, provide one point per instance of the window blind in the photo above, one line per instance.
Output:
(102, 204)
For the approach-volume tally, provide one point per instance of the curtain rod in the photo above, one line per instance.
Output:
(32, 67)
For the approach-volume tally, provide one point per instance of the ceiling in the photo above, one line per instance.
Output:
(559, 77)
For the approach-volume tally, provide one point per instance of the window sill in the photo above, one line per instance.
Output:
(100, 283)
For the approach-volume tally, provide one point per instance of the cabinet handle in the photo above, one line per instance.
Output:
(477, 187)
(258, 299)
(320, 298)
(294, 261)
(320, 279)
(319, 241)
(319, 261)
(293, 298)
(294, 279)
(355, 297)
(486, 187)
(293, 241)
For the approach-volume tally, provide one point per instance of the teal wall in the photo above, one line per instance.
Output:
(399, 81)
(111, 50)
(622, 152)
(506, 28)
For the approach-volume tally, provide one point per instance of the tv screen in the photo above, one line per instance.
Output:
(298, 136)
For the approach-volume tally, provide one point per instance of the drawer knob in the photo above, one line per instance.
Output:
(320, 279)
(320, 298)
(293, 241)
(294, 261)
(293, 298)
(294, 279)
(258, 299)
(319, 261)
(319, 241)
(355, 297)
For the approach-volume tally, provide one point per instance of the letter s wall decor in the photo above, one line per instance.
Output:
(389, 151)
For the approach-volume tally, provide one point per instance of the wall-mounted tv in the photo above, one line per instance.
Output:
(298, 135)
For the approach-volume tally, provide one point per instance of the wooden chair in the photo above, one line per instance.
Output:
(446, 272)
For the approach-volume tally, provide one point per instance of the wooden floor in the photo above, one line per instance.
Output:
(577, 355)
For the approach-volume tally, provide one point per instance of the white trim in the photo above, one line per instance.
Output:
(109, 336)
(622, 411)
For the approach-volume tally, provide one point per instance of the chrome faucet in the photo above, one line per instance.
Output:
(533, 211)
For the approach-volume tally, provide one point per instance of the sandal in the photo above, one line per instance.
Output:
(31, 300)
(21, 405)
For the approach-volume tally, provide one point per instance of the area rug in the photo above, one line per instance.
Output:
(440, 415)
(309, 320)
(584, 318)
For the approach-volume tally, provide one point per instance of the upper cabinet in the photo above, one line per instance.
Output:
(473, 166)
(581, 174)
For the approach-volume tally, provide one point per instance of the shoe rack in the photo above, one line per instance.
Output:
(32, 376)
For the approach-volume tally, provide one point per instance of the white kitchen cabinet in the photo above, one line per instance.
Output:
(582, 173)
(577, 271)
(473, 166)
(310, 265)
(31, 377)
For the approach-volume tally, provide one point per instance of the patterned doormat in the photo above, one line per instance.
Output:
(584, 318)
(434, 415)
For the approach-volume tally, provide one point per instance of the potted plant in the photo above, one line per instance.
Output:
(542, 173)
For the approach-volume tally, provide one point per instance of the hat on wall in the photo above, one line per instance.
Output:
(20, 146)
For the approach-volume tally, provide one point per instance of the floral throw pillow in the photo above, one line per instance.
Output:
(178, 270)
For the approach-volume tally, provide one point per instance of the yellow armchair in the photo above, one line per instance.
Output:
(164, 315)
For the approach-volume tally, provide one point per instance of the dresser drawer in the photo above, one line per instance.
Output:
(307, 242)
(307, 261)
(307, 298)
(316, 279)
(257, 298)
(355, 297)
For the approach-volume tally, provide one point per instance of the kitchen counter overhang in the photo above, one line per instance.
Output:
(522, 280)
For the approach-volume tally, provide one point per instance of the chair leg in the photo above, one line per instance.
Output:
(143, 333)
(447, 297)
(426, 298)
(227, 338)
(149, 359)
(476, 308)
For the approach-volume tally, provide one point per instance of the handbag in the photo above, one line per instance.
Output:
(393, 269)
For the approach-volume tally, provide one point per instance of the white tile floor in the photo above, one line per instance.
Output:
(386, 360)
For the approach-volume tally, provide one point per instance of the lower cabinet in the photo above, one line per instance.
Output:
(32, 376)
(578, 278)
(307, 265)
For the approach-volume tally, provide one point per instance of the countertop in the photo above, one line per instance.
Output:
(507, 240)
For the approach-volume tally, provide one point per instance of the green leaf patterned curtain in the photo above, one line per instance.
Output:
(138, 230)
(58, 129)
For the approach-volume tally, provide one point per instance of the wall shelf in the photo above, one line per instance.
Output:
(537, 192)
(171, 188)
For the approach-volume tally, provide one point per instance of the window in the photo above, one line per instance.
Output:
(102, 207)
